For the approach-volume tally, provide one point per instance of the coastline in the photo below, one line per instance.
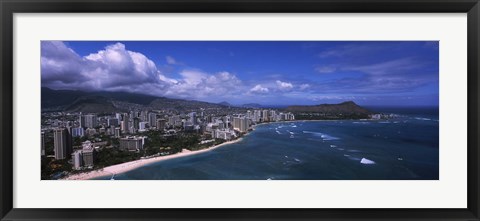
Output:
(131, 165)
(128, 166)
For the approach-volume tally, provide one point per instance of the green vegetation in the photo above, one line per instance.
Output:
(111, 156)
(49, 144)
(51, 167)
(158, 143)
(77, 141)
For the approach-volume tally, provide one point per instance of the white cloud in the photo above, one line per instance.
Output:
(304, 86)
(117, 69)
(171, 60)
(112, 67)
(391, 67)
(197, 84)
(325, 69)
(284, 86)
(193, 77)
(258, 89)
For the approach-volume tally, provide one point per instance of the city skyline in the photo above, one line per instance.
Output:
(269, 73)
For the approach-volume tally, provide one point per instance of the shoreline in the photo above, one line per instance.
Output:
(131, 165)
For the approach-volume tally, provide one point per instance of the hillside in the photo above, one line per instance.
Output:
(179, 104)
(344, 110)
(58, 99)
(252, 105)
(107, 102)
(91, 103)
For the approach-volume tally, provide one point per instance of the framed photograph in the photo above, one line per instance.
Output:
(188, 110)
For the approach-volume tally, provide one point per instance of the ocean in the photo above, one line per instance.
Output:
(402, 148)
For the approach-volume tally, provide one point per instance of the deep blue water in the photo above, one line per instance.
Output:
(403, 148)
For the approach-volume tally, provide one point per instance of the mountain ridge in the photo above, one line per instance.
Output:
(108, 102)
(104, 101)
(347, 107)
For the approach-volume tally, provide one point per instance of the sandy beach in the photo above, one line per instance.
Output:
(124, 167)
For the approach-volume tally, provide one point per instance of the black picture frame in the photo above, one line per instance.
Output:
(9, 7)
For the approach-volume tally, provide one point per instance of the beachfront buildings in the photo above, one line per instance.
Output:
(131, 143)
(224, 134)
(85, 157)
(62, 142)
(241, 124)
(122, 132)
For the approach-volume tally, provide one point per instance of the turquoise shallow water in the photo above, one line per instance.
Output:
(404, 148)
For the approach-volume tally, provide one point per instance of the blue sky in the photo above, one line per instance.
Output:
(389, 73)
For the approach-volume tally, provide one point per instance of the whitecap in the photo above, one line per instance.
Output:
(356, 122)
(366, 161)
(354, 151)
(326, 137)
(422, 118)
(351, 157)
(322, 135)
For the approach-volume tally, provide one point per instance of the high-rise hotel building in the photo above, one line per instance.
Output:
(161, 124)
(241, 124)
(125, 124)
(152, 119)
(42, 151)
(131, 143)
(90, 121)
(62, 143)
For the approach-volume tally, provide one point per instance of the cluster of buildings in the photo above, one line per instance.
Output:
(63, 149)
(85, 157)
(382, 116)
(128, 128)
(120, 123)
(227, 127)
